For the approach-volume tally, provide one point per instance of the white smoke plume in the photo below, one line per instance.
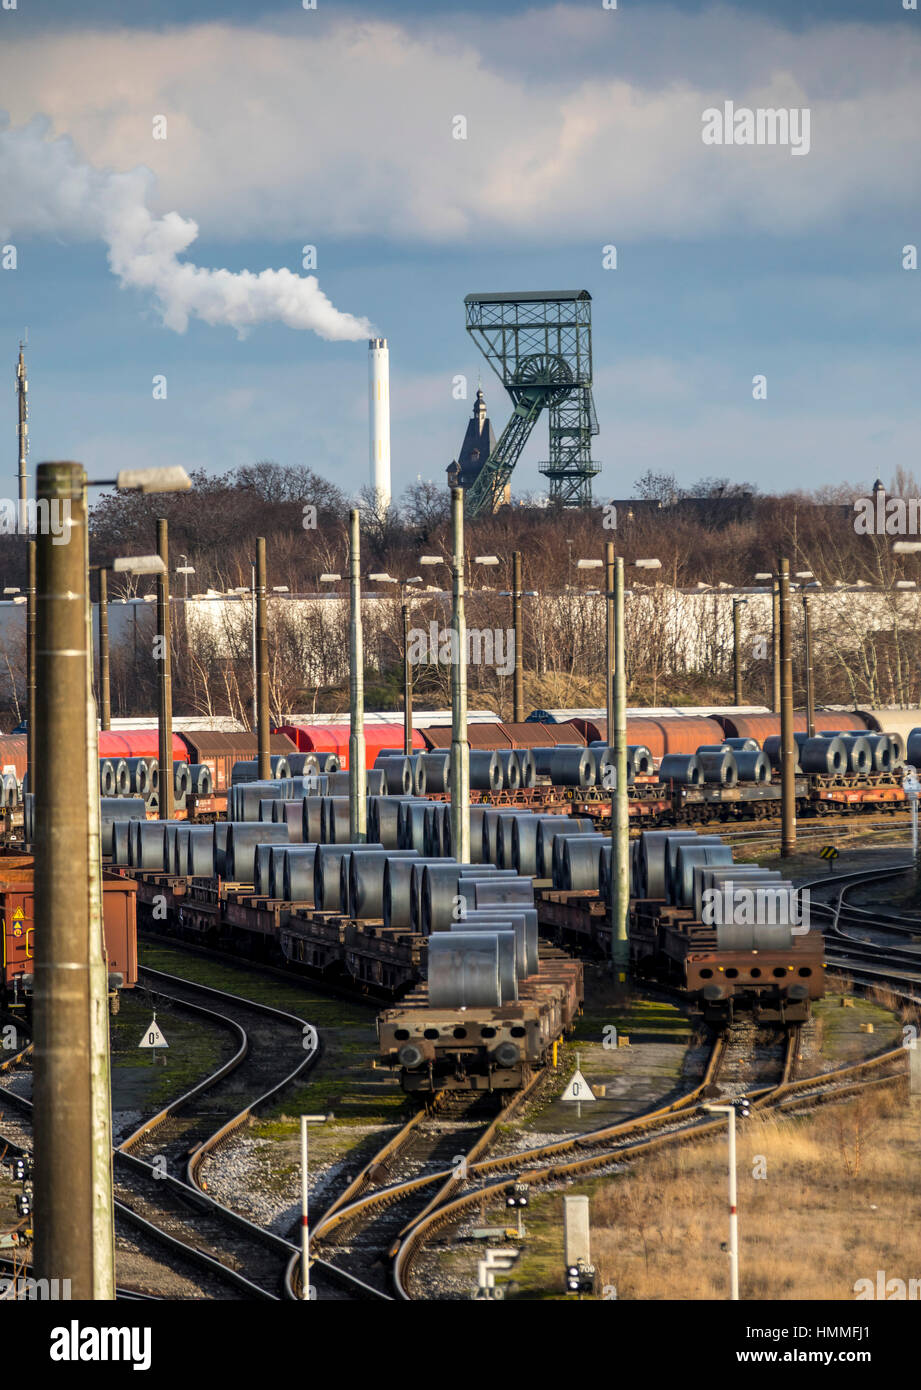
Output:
(46, 189)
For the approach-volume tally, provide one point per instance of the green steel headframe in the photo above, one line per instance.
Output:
(540, 347)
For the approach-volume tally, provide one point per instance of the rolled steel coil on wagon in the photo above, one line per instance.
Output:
(303, 764)
(220, 830)
(180, 848)
(772, 752)
(384, 819)
(316, 784)
(581, 861)
(524, 843)
(28, 817)
(122, 777)
(515, 927)
(121, 834)
(337, 783)
(719, 768)
(774, 933)
(572, 767)
(447, 837)
(411, 825)
(639, 757)
(556, 854)
(312, 825)
(505, 841)
(279, 765)
(884, 752)
(526, 768)
(247, 770)
(742, 745)
(436, 902)
(485, 771)
(244, 799)
(689, 855)
(548, 830)
(432, 829)
(111, 809)
(335, 823)
(147, 847)
(139, 775)
(672, 846)
(707, 878)
(826, 756)
(329, 762)
(153, 768)
(859, 754)
(606, 764)
(291, 814)
(683, 768)
(326, 873)
(511, 768)
(182, 780)
(399, 887)
(172, 828)
(200, 780)
(752, 766)
(398, 773)
(200, 852)
(464, 971)
(106, 779)
(152, 802)
(712, 748)
(366, 869)
(437, 771)
(262, 867)
(489, 833)
(652, 861)
(605, 885)
(267, 810)
(297, 874)
(387, 753)
(242, 839)
(418, 771)
(523, 920)
(496, 890)
(508, 955)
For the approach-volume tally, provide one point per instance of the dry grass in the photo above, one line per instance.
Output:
(839, 1200)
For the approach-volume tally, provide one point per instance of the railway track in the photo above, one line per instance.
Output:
(166, 1201)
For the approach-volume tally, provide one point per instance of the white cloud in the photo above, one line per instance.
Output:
(336, 128)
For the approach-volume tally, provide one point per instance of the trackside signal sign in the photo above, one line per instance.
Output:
(829, 852)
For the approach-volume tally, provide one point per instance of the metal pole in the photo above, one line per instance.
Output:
(460, 749)
(165, 676)
(620, 824)
(30, 657)
(609, 640)
(787, 741)
(733, 1213)
(737, 649)
(105, 690)
(407, 688)
(73, 1190)
(775, 642)
(262, 664)
(253, 655)
(305, 1235)
(518, 687)
(22, 389)
(810, 677)
(358, 782)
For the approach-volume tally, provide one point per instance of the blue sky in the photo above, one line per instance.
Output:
(332, 128)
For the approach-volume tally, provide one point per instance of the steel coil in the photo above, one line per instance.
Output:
(581, 862)
(312, 823)
(511, 768)
(885, 751)
(262, 876)
(572, 767)
(688, 855)
(508, 953)
(122, 777)
(366, 869)
(411, 825)
(335, 824)
(303, 764)
(526, 767)
(182, 780)
(707, 878)
(106, 779)
(240, 853)
(200, 852)
(398, 774)
(399, 887)
(505, 841)
(297, 874)
(200, 779)
(682, 768)
(672, 845)
(772, 751)
(524, 922)
(524, 843)
(120, 831)
(437, 771)
(149, 849)
(514, 927)
(752, 766)
(384, 820)
(548, 829)
(112, 809)
(327, 873)
(498, 890)
(640, 759)
(826, 756)
(485, 771)
(418, 772)
(464, 970)
(139, 775)
(436, 902)
(719, 768)
(743, 745)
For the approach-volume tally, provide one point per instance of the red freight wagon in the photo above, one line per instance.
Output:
(334, 738)
(17, 923)
(138, 743)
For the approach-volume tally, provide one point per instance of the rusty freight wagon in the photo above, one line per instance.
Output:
(17, 916)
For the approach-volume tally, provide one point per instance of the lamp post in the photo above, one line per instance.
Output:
(730, 1112)
(72, 1101)
(305, 1234)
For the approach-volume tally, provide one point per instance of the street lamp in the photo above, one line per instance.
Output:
(305, 1235)
(407, 669)
(737, 604)
(742, 1106)
(185, 570)
(906, 547)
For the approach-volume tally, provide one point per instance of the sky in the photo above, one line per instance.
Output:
(333, 128)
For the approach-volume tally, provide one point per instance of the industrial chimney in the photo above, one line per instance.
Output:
(379, 418)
